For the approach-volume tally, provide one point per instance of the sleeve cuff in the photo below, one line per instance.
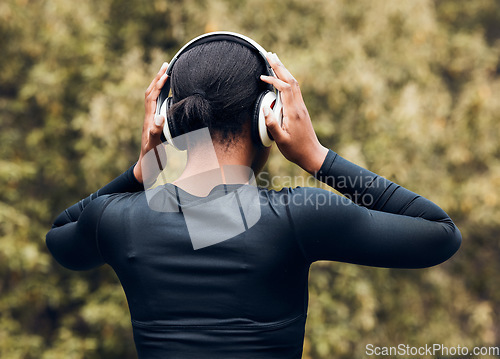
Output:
(324, 174)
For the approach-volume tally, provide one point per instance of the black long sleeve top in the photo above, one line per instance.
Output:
(244, 297)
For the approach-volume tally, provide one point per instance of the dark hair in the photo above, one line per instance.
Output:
(216, 85)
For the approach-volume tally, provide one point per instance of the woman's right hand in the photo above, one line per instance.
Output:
(153, 125)
(295, 138)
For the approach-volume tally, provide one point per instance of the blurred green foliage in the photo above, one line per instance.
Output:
(409, 89)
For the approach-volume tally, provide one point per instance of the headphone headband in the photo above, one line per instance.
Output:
(221, 36)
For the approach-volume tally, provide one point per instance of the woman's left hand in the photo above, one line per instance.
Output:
(295, 136)
(153, 125)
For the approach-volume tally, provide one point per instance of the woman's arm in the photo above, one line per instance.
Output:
(126, 182)
(73, 237)
(379, 224)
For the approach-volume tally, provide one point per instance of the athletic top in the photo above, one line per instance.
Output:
(245, 297)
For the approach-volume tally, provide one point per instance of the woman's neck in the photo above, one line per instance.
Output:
(213, 163)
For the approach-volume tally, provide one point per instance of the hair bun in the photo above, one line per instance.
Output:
(192, 113)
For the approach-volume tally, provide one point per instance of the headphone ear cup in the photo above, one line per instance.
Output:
(164, 111)
(174, 133)
(255, 118)
(259, 128)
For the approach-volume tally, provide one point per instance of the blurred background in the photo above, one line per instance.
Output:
(409, 89)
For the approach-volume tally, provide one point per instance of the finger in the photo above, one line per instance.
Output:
(156, 128)
(281, 85)
(153, 95)
(282, 72)
(286, 93)
(279, 69)
(156, 78)
(274, 128)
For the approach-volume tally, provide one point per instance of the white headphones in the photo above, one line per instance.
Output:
(269, 98)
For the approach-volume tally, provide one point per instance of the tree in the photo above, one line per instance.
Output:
(408, 89)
